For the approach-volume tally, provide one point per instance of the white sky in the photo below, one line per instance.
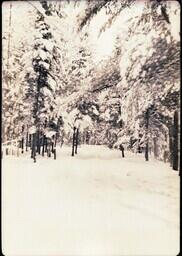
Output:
(102, 47)
(21, 23)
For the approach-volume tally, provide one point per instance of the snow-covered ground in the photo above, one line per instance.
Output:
(93, 204)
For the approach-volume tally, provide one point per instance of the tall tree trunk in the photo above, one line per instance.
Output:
(155, 147)
(52, 147)
(55, 141)
(76, 141)
(170, 146)
(22, 145)
(30, 140)
(122, 153)
(31, 145)
(52, 144)
(175, 141)
(27, 141)
(38, 141)
(49, 149)
(73, 143)
(55, 154)
(43, 145)
(33, 152)
(147, 152)
(147, 141)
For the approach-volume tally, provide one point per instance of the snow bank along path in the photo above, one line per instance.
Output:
(93, 204)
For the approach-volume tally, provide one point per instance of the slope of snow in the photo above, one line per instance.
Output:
(96, 203)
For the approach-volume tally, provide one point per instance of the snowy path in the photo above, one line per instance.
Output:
(93, 204)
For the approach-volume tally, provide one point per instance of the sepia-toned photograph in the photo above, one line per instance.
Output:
(90, 130)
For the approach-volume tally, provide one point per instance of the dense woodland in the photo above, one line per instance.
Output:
(109, 68)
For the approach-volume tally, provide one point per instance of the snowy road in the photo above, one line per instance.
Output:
(93, 204)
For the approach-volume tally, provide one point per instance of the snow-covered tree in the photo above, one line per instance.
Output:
(110, 67)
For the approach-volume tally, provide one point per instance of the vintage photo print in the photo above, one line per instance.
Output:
(90, 132)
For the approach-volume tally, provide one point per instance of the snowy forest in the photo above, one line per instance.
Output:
(90, 127)
(109, 68)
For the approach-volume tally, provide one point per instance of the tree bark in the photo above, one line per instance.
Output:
(73, 143)
(49, 149)
(76, 141)
(55, 141)
(52, 145)
(38, 141)
(22, 145)
(147, 152)
(33, 152)
(147, 143)
(55, 154)
(30, 140)
(122, 153)
(175, 142)
(155, 148)
(170, 146)
(43, 145)
(27, 142)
